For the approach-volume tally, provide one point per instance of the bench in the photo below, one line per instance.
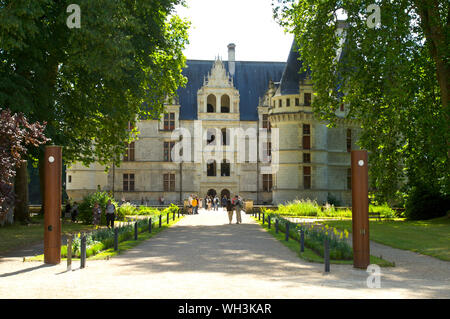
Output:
(375, 215)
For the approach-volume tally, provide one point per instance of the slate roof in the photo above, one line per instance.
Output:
(250, 78)
(291, 77)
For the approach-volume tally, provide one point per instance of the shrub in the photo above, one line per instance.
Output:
(384, 210)
(127, 209)
(423, 203)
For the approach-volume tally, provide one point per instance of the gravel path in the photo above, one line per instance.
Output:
(202, 256)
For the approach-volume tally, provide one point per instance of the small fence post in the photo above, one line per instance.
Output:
(150, 225)
(83, 251)
(276, 225)
(179, 212)
(116, 239)
(302, 240)
(326, 257)
(173, 216)
(69, 253)
(168, 218)
(135, 231)
(160, 220)
(268, 221)
(287, 231)
(263, 218)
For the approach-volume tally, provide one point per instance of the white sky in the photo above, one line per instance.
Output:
(247, 23)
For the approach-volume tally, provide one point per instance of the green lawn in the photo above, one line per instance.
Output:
(309, 254)
(18, 236)
(428, 237)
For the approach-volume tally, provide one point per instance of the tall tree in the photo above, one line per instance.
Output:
(392, 76)
(89, 82)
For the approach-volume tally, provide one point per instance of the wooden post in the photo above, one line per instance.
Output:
(69, 253)
(116, 239)
(150, 225)
(52, 204)
(287, 231)
(302, 240)
(326, 255)
(83, 251)
(135, 231)
(360, 209)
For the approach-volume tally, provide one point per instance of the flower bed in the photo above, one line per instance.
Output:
(315, 236)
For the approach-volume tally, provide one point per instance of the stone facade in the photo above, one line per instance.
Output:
(272, 159)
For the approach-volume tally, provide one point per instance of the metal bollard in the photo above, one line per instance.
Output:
(83, 252)
(116, 239)
(135, 231)
(160, 220)
(326, 257)
(167, 218)
(276, 225)
(302, 240)
(178, 213)
(259, 215)
(173, 216)
(150, 225)
(69, 253)
(268, 221)
(263, 219)
(287, 231)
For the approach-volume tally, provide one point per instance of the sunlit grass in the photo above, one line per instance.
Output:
(428, 237)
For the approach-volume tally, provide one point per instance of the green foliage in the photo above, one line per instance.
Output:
(171, 209)
(424, 203)
(387, 77)
(85, 207)
(127, 209)
(89, 83)
(315, 237)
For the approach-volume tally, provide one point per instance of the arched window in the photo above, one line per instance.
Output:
(225, 168)
(211, 168)
(211, 137)
(225, 137)
(225, 104)
(211, 103)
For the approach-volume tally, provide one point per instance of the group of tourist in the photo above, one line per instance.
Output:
(110, 214)
(212, 202)
(71, 211)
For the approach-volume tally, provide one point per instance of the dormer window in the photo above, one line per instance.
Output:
(225, 104)
(211, 103)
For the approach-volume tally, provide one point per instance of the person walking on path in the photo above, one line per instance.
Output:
(74, 212)
(195, 205)
(110, 214)
(216, 203)
(96, 214)
(224, 202)
(238, 206)
(229, 207)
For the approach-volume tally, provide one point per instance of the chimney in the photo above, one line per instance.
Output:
(231, 52)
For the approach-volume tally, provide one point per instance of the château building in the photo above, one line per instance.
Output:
(238, 127)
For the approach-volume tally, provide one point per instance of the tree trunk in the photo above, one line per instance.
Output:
(434, 27)
(21, 211)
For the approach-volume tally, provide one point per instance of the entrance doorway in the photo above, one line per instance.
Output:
(225, 192)
(212, 192)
